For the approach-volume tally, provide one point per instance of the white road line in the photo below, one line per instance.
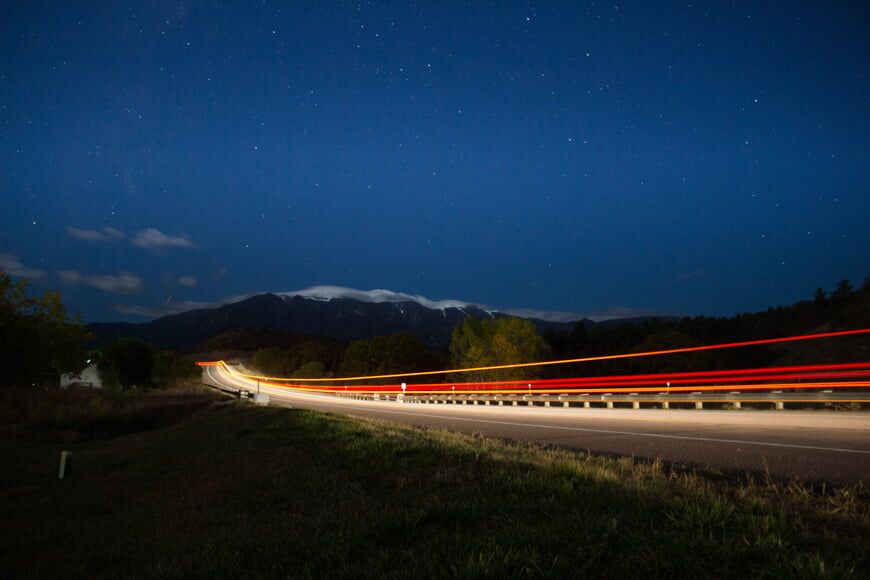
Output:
(602, 431)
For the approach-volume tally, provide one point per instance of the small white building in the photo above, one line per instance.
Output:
(89, 377)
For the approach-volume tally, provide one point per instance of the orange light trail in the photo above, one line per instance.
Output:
(557, 362)
(743, 380)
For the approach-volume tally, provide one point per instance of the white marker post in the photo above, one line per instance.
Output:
(65, 464)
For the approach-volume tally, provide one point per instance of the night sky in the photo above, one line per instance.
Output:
(683, 158)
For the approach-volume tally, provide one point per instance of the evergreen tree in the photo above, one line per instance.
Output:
(843, 291)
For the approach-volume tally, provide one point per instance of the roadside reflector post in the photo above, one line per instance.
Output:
(65, 468)
(699, 405)
(587, 404)
(609, 404)
(666, 405)
(780, 406)
(736, 404)
(635, 404)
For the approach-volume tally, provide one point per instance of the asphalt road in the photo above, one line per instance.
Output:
(812, 446)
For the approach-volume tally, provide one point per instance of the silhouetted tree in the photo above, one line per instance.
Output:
(312, 369)
(501, 341)
(131, 360)
(391, 354)
(819, 296)
(170, 368)
(38, 341)
(844, 290)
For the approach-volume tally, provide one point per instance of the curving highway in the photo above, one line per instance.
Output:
(808, 445)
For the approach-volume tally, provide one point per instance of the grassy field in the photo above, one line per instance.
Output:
(243, 491)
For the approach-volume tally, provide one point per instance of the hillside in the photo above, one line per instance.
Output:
(343, 319)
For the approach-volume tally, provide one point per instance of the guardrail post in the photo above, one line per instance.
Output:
(514, 402)
(609, 404)
(546, 403)
(736, 404)
(699, 405)
(565, 404)
(635, 404)
(779, 405)
(666, 405)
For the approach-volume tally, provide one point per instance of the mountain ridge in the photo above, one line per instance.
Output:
(339, 318)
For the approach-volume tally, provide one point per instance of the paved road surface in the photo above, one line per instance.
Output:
(816, 446)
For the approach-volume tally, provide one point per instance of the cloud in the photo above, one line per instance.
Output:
(690, 275)
(154, 239)
(124, 283)
(114, 232)
(378, 295)
(106, 234)
(149, 238)
(187, 281)
(10, 264)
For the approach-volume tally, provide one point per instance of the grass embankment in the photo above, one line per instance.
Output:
(81, 414)
(243, 491)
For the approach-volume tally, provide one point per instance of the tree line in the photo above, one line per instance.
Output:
(503, 341)
(39, 342)
(133, 363)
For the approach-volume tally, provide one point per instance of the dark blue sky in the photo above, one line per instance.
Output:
(672, 157)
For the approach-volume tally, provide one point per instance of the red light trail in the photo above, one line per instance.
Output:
(827, 376)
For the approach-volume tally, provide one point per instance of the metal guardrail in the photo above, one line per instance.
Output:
(224, 389)
(634, 400)
(732, 399)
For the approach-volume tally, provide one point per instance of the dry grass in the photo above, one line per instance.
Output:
(241, 491)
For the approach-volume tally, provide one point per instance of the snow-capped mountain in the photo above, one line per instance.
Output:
(341, 313)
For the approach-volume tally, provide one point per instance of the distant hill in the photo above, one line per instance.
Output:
(250, 339)
(242, 325)
(843, 308)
